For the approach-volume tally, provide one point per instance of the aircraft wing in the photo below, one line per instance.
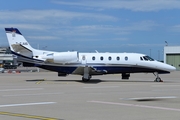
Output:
(92, 71)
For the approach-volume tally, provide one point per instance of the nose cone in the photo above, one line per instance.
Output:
(165, 67)
(173, 68)
(169, 67)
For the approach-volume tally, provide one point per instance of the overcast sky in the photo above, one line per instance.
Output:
(140, 26)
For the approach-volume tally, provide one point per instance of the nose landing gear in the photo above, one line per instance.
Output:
(158, 79)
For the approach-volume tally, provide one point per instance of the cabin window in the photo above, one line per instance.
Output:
(93, 58)
(109, 58)
(118, 58)
(126, 58)
(101, 58)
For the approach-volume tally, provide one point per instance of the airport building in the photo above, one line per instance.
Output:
(7, 60)
(172, 56)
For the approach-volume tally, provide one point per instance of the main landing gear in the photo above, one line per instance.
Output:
(125, 76)
(86, 77)
(158, 79)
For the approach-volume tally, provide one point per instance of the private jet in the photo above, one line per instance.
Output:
(84, 64)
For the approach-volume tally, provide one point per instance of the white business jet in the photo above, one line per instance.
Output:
(84, 64)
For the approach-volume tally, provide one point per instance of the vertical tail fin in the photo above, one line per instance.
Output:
(15, 37)
(17, 42)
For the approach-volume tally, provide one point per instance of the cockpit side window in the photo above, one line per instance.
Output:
(147, 58)
(150, 58)
(141, 58)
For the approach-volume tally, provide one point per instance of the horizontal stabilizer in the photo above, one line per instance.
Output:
(18, 48)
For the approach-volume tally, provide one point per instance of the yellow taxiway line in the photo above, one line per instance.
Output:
(27, 116)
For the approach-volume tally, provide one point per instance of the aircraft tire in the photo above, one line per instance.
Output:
(85, 80)
(158, 80)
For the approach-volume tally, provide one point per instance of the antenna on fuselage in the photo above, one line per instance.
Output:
(96, 51)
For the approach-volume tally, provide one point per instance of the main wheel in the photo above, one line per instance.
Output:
(85, 79)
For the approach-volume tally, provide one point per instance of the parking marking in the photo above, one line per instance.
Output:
(101, 87)
(27, 116)
(26, 104)
(39, 82)
(3, 90)
(136, 105)
(38, 94)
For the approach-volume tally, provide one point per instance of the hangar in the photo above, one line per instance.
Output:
(172, 56)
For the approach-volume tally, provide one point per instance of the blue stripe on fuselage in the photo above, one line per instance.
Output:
(109, 69)
(19, 55)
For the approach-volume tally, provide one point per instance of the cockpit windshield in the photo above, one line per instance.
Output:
(147, 58)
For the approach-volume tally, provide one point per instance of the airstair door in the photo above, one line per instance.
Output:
(83, 60)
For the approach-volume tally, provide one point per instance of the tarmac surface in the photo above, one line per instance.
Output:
(45, 96)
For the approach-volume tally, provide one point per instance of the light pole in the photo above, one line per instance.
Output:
(158, 55)
(166, 43)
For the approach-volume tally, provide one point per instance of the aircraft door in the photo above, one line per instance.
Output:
(83, 61)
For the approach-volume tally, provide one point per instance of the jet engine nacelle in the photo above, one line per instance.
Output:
(61, 57)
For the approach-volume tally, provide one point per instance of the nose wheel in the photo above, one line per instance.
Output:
(158, 79)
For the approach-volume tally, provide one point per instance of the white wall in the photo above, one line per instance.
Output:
(171, 50)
